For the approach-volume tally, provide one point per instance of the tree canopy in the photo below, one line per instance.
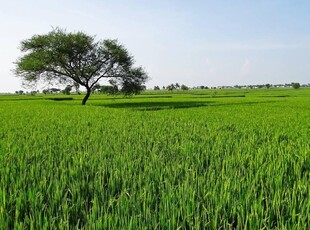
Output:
(295, 85)
(77, 58)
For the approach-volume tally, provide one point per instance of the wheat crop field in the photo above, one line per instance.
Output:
(196, 159)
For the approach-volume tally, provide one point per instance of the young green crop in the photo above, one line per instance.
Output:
(188, 161)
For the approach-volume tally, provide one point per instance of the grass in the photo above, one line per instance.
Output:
(156, 161)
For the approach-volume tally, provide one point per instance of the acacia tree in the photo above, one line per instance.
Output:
(69, 58)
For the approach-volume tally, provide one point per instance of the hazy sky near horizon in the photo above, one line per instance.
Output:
(196, 42)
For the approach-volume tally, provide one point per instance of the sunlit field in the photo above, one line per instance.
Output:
(197, 159)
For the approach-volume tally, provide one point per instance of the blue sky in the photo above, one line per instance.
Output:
(209, 43)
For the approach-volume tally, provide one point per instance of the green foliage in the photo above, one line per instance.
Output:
(20, 92)
(170, 87)
(70, 58)
(67, 90)
(196, 162)
(96, 88)
(184, 87)
(109, 89)
(295, 85)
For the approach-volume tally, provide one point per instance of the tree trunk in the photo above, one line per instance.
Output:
(86, 96)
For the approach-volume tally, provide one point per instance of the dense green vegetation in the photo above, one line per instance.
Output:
(224, 159)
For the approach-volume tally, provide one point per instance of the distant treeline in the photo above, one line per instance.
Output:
(177, 86)
(113, 89)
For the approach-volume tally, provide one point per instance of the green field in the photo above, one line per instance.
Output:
(200, 159)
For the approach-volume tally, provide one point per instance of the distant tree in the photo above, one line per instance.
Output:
(54, 90)
(177, 86)
(20, 92)
(170, 87)
(45, 91)
(109, 89)
(67, 90)
(96, 88)
(156, 87)
(295, 85)
(76, 57)
(184, 87)
(268, 86)
(201, 87)
(33, 93)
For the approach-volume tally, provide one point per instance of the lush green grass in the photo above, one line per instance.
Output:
(205, 159)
